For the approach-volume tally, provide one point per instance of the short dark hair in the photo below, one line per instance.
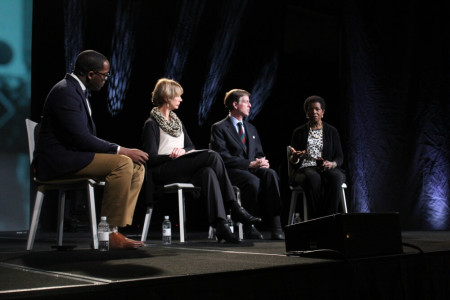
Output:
(313, 99)
(234, 96)
(89, 60)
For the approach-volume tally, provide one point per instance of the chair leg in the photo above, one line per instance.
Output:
(92, 215)
(239, 224)
(292, 207)
(61, 209)
(211, 234)
(344, 201)
(148, 217)
(181, 213)
(35, 219)
(305, 208)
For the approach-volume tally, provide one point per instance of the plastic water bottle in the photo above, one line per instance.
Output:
(103, 234)
(297, 218)
(166, 231)
(230, 223)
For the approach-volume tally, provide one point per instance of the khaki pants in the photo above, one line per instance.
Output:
(123, 182)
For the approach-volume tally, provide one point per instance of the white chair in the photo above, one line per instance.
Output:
(296, 191)
(180, 189)
(62, 186)
(211, 233)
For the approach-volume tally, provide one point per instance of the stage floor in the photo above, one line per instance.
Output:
(251, 269)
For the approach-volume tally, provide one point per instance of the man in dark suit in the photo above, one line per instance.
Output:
(238, 142)
(68, 147)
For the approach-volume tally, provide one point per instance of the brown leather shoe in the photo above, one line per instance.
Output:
(119, 241)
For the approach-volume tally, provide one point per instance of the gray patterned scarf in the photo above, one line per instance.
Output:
(172, 127)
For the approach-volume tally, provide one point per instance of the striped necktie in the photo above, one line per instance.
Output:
(242, 135)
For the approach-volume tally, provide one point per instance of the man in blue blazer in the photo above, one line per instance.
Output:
(238, 142)
(68, 147)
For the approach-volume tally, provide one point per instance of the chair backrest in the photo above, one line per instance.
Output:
(31, 129)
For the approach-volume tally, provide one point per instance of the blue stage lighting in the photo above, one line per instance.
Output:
(73, 31)
(190, 13)
(122, 55)
(436, 191)
(363, 143)
(263, 86)
(221, 52)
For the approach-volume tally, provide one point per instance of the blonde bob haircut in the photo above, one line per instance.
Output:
(165, 89)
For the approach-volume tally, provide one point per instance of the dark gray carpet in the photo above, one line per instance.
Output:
(165, 270)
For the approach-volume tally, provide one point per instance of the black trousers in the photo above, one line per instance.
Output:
(258, 185)
(204, 169)
(322, 189)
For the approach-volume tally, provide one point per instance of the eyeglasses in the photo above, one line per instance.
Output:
(106, 75)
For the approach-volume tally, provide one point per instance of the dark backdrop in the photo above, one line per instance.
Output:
(382, 68)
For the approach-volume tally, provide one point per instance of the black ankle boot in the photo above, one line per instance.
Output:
(223, 232)
(251, 233)
(277, 231)
(239, 214)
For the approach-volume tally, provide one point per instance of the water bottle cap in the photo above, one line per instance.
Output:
(103, 218)
(166, 217)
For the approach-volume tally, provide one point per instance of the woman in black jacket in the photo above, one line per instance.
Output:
(316, 160)
(172, 158)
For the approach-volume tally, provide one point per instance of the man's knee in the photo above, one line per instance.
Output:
(139, 171)
(125, 165)
(271, 174)
(253, 184)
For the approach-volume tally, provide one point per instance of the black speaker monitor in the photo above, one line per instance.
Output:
(353, 234)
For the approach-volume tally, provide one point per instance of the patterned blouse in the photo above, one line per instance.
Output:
(314, 148)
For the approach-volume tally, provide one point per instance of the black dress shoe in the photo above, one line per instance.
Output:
(277, 234)
(251, 233)
(239, 214)
(223, 232)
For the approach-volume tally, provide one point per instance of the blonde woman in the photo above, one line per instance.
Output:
(171, 159)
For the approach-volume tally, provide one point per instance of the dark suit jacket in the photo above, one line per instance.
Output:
(225, 140)
(67, 139)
